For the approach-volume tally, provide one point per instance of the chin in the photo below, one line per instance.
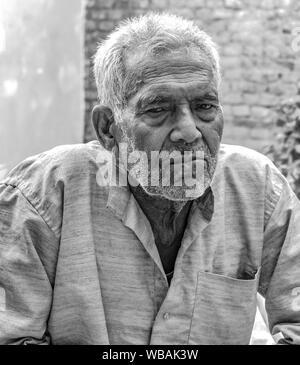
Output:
(175, 193)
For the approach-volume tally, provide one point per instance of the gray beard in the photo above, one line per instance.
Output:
(138, 174)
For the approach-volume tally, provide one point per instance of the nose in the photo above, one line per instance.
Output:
(185, 128)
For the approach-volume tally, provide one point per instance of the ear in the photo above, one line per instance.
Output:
(103, 119)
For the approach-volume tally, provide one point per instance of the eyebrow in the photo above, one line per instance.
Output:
(153, 99)
(208, 96)
(160, 99)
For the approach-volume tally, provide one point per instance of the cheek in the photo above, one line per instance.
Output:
(219, 123)
(212, 133)
(149, 139)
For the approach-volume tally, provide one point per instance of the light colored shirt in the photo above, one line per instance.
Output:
(79, 265)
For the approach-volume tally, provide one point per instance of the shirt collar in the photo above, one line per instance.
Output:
(206, 204)
(119, 196)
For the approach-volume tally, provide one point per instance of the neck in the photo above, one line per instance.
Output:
(163, 214)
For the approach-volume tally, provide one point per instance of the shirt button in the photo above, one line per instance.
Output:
(166, 316)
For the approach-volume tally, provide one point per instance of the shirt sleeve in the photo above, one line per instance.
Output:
(27, 264)
(280, 272)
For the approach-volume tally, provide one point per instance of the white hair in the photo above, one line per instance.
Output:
(155, 34)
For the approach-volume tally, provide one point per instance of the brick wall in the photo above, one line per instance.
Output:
(259, 65)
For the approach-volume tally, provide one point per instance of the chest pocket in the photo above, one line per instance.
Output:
(224, 310)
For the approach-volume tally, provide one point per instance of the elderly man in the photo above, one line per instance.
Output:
(88, 261)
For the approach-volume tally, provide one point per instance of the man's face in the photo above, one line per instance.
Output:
(175, 108)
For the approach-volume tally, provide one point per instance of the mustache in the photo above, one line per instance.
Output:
(185, 147)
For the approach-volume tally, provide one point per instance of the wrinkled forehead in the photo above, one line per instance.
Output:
(143, 69)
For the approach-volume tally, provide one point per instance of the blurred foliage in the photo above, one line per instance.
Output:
(285, 152)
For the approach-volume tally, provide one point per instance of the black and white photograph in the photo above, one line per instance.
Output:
(149, 175)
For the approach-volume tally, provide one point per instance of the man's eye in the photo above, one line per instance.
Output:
(204, 106)
(155, 110)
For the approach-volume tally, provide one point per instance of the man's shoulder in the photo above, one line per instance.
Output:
(230, 154)
(245, 169)
(57, 177)
(60, 163)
